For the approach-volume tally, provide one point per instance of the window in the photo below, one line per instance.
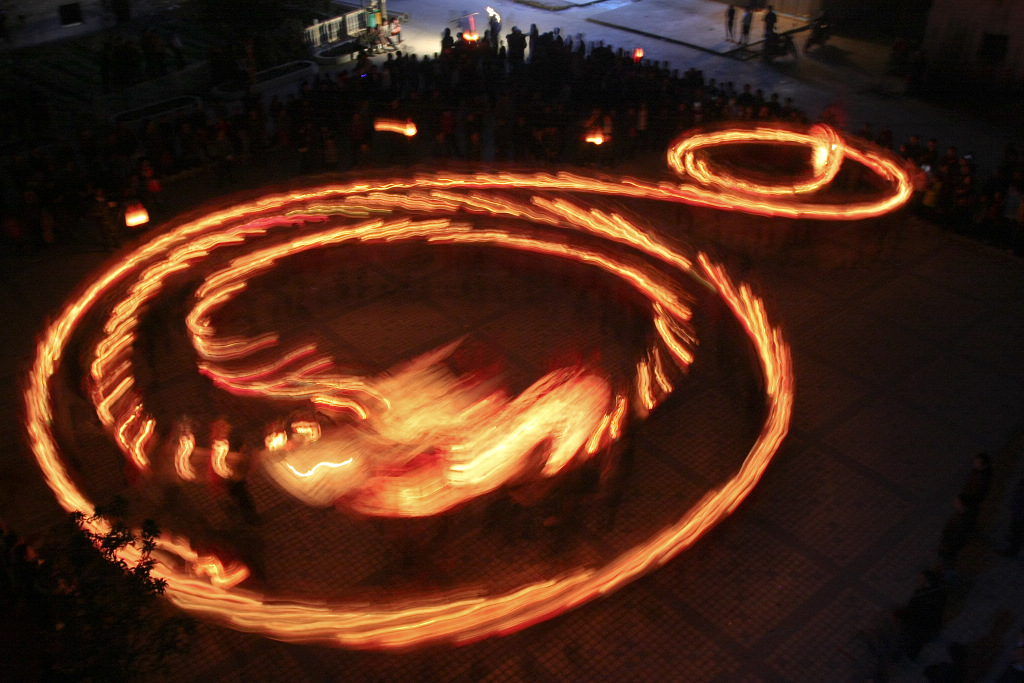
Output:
(70, 14)
(994, 47)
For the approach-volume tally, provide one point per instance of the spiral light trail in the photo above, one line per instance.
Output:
(315, 217)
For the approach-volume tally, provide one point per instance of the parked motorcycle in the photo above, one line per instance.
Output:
(776, 45)
(821, 31)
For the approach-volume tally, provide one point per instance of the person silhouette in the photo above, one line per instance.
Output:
(748, 19)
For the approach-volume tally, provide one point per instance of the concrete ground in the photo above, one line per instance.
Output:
(904, 341)
(908, 362)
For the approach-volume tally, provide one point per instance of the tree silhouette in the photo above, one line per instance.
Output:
(104, 617)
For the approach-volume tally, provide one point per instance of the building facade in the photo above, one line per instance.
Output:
(798, 8)
(30, 22)
(982, 40)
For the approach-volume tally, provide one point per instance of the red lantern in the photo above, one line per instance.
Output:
(638, 54)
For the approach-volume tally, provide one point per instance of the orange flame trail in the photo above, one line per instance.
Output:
(203, 584)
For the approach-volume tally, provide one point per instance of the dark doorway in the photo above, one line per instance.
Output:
(70, 14)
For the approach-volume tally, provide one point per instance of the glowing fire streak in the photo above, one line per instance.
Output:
(827, 156)
(828, 151)
(403, 625)
(204, 585)
(183, 457)
(308, 430)
(406, 128)
(433, 496)
(219, 459)
(319, 465)
(276, 441)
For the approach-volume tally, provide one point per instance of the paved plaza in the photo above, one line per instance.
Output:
(908, 362)
(903, 338)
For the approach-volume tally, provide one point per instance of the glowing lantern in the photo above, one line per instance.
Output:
(638, 54)
(135, 214)
(595, 137)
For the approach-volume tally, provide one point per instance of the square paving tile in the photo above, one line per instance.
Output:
(392, 330)
(973, 270)
(345, 551)
(918, 453)
(827, 505)
(743, 579)
(706, 434)
(894, 572)
(631, 638)
(864, 344)
(825, 647)
(541, 340)
(824, 393)
(926, 306)
(978, 398)
(656, 496)
(794, 305)
(994, 340)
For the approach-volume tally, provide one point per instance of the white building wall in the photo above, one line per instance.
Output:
(799, 8)
(32, 11)
(32, 22)
(956, 33)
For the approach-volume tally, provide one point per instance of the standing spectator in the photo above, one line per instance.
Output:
(730, 23)
(516, 49)
(748, 19)
(885, 138)
(221, 153)
(396, 31)
(929, 155)
(770, 19)
(178, 50)
(977, 484)
(921, 619)
(494, 23)
(955, 534)
(1015, 536)
(1014, 671)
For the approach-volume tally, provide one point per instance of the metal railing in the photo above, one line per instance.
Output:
(336, 29)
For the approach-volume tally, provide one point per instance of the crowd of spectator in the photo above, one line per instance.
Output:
(949, 191)
(534, 101)
(904, 631)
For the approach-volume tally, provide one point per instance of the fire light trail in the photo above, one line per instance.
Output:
(827, 151)
(725, 191)
(406, 128)
(463, 425)
(202, 584)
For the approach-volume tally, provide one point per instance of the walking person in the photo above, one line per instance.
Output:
(730, 23)
(748, 19)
